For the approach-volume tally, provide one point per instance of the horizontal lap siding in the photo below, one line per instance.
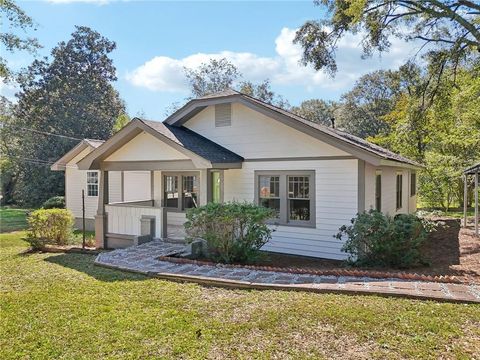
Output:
(176, 218)
(336, 204)
(126, 219)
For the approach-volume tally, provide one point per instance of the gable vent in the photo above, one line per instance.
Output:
(223, 115)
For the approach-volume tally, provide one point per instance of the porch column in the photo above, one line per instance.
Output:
(101, 217)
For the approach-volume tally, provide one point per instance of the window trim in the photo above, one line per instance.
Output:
(378, 173)
(180, 176)
(413, 189)
(93, 184)
(399, 191)
(284, 207)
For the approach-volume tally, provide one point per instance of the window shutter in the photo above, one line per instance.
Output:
(223, 115)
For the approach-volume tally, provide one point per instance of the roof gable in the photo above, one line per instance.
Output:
(84, 144)
(356, 146)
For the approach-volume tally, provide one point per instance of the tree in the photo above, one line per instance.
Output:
(13, 17)
(122, 120)
(61, 101)
(264, 92)
(450, 28)
(372, 97)
(317, 110)
(211, 77)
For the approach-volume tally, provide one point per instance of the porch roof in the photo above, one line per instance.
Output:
(472, 169)
(202, 151)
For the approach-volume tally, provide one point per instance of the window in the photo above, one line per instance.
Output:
(299, 198)
(223, 115)
(413, 184)
(92, 183)
(289, 193)
(180, 191)
(171, 191)
(270, 193)
(190, 192)
(378, 190)
(399, 187)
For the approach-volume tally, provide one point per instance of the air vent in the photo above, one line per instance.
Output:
(223, 115)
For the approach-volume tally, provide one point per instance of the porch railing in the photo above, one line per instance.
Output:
(126, 218)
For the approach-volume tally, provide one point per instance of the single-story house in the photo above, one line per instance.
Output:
(230, 146)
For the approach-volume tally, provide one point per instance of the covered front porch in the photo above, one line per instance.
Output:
(184, 169)
(161, 215)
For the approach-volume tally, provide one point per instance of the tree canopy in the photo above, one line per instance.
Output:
(14, 18)
(62, 100)
(449, 29)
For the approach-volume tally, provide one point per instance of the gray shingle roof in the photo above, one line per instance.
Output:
(338, 134)
(194, 142)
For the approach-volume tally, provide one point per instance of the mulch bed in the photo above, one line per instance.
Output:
(68, 249)
(453, 254)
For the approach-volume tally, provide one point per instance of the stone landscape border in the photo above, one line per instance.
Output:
(328, 272)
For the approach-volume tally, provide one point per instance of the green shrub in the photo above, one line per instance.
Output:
(234, 232)
(49, 226)
(56, 202)
(376, 239)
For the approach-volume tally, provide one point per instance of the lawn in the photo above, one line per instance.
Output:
(62, 306)
(12, 219)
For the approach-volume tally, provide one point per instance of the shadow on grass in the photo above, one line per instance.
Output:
(85, 264)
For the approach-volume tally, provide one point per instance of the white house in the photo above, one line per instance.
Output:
(229, 146)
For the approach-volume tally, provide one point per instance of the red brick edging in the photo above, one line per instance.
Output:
(330, 272)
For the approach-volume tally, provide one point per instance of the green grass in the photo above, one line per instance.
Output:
(62, 306)
(12, 219)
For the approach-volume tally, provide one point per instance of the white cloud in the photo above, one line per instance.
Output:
(166, 74)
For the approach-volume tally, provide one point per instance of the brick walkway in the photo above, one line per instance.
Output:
(144, 259)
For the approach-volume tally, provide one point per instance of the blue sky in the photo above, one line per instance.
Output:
(155, 39)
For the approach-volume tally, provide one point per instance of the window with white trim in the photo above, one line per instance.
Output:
(291, 194)
(92, 183)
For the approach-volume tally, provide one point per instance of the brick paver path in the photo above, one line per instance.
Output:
(144, 259)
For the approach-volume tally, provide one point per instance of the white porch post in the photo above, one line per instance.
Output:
(101, 217)
(465, 199)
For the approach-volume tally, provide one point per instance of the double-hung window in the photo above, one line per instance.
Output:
(290, 194)
(399, 192)
(92, 183)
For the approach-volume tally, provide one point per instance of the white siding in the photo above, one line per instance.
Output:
(137, 185)
(114, 186)
(176, 218)
(126, 219)
(336, 203)
(254, 135)
(145, 147)
(75, 182)
(389, 178)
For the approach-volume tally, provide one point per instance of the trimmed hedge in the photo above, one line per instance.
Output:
(56, 202)
(49, 226)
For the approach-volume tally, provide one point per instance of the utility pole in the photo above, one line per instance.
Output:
(83, 218)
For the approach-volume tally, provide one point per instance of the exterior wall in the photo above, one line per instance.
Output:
(137, 185)
(75, 182)
(256, 136)
(336, 186)
(145, 147)
(389, 175)
(114, 186)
